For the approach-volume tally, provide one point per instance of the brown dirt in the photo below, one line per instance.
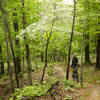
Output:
(59, 71)
(89, 93)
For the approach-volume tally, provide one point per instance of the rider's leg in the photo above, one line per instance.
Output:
(73, 76)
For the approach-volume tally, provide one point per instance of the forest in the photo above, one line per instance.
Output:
(49, 49)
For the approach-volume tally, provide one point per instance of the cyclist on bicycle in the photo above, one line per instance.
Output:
(74, 64)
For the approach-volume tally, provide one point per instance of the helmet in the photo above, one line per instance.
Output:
(75, 55)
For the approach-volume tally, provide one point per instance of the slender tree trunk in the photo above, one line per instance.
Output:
(29, 64)
(87, 52)
(98, 53)
(84, 25)
(47, 44)
(14, 61)
(46, 57)
(8, 53)
(23, 62)
(9, 63)
(27, 48)
(17, 41)
(69, 53)
(12, 49)
(13, 53)
(1, 62)
(98, 45)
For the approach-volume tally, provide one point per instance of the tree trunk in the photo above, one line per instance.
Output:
(17, 41)
(29, 64)
(14, 60)
(98, 53)
(8, 53)
(98, 42)
(47, 44)
(23, 62)
(1, 62)
(27, 47)
(11, 44)
(87, 52)
(69, 53)
(84, 25)
(46, 53)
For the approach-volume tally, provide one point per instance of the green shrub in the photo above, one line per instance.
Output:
(4, 77)
(36, 89)
(68, 97)
(31, 91)
(67, 83)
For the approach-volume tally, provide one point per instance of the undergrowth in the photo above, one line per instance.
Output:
(68, 97)
(72, 86)
(4, 77)
(35, 90)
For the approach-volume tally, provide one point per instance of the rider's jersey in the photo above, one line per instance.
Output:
(74, 62)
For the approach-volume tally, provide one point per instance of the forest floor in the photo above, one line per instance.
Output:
(91, 79)
(90, 92)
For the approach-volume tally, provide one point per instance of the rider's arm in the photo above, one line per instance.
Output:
(71, 62)
(79, 62)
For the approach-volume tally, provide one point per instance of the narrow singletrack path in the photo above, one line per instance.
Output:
(89, 93)
(92, 92)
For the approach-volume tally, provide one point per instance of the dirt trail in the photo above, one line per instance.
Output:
(89, 93)
(92, 92)
(60, 71)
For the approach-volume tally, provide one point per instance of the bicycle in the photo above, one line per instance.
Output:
(75, 74)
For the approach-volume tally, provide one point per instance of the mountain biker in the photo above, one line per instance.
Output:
(74, 64)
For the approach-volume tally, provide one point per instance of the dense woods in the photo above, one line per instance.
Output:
(38, 39)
